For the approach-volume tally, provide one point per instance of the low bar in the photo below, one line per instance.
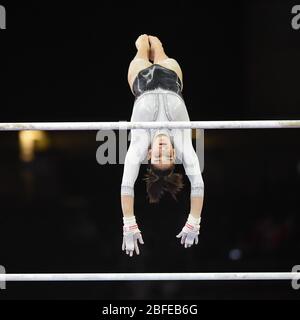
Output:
(150, 276)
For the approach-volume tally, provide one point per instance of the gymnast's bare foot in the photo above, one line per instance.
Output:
(156, 49)
(142, 42)
(154, 42)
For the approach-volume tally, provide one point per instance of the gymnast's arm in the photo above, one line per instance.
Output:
(192, 169)
(136, 153)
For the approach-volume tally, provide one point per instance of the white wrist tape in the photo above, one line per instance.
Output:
(130, 225)
(129, 221)
(193, 220)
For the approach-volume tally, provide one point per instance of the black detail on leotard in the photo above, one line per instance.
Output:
(156, 77)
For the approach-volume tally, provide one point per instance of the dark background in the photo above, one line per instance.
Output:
(62, 212)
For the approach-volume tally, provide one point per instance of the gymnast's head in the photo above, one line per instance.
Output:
(160, 175)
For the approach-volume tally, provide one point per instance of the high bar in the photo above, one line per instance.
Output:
(150, 276)
(123, 125)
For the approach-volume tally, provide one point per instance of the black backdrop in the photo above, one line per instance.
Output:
(61, 212)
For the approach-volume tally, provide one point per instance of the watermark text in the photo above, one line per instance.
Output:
(2, 283)
(296, 18)
(2, 18)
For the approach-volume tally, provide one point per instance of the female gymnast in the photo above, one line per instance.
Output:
(157, 88)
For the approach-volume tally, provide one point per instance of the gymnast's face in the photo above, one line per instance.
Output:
(162, 153)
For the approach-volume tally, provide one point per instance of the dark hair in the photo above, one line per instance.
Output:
(158, 181)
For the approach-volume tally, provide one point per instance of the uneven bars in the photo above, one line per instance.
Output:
(150, 276)
(123, 125)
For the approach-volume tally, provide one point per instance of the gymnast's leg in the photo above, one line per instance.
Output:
(158, 56)
(141, 60)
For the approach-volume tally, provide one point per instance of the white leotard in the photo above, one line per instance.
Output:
(161, 105)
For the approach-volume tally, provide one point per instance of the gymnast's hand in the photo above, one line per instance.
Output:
(189, 233)
(131, 235)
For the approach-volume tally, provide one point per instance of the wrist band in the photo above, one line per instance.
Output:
(194, 220)
(129, 220)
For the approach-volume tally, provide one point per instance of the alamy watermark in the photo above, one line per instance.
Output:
(2, 17)
(296, 19)
(113, 150)
(296, 280)
(2, 283)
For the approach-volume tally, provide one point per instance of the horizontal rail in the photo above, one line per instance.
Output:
(149, 276)
(123, 125)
